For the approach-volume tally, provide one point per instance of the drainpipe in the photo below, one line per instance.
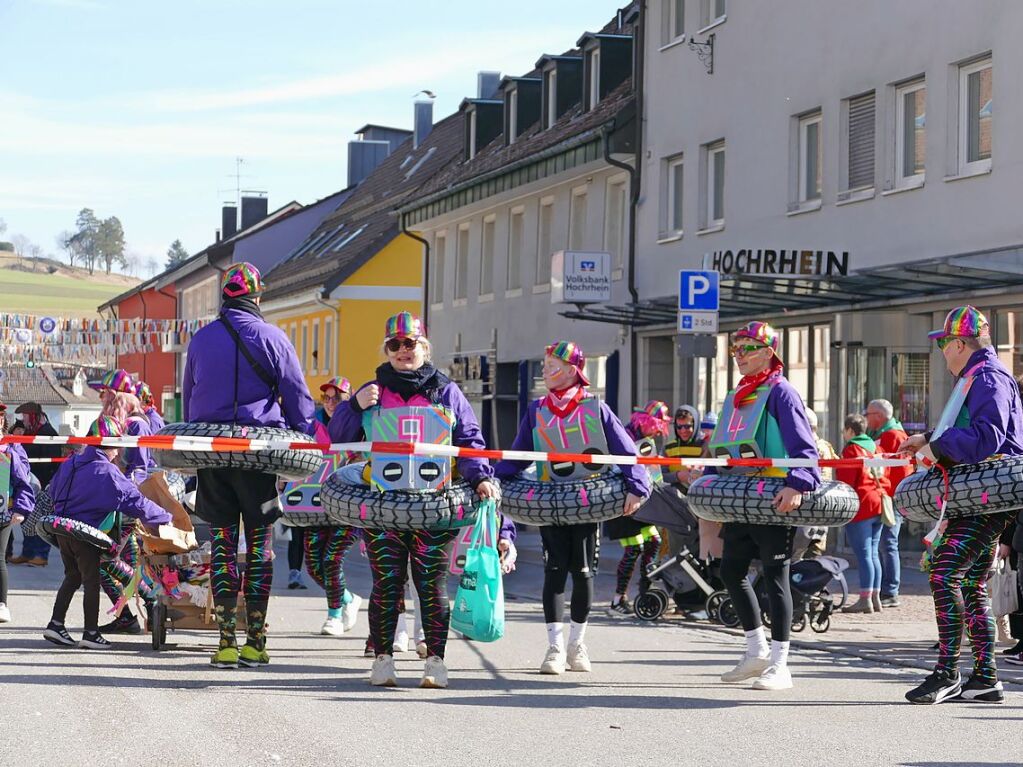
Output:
(336, 340)
(426, 271)
(145, 316)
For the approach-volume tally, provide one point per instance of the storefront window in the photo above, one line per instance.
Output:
(820, 365)
(660, 369)
(868, 377)
(720, 383)
(910, 385)
(1009, 340)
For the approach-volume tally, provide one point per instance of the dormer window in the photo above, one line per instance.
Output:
(472, 134)
(607, 63)
(562, 86)
(522, 106)
(551, 81)
(483, 123)
(513, 115)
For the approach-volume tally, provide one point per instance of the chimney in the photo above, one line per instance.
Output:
(487, 85)
(364, 157)
(228, 222)
(255, 206)
(422, 122)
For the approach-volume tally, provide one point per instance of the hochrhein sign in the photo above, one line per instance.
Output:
(779, 263)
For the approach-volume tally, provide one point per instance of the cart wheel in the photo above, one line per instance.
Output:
(820, 623)
(651, 605)
(765, 618)
(799, 625)
(158, 627)
(713, 605)
(727, 616)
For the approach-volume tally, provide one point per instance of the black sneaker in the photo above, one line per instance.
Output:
(56, 633)
(621, 607)
(982, 692)
(122, 624)
(938, 687)
(93, 640)
(1015, 650)
(1014, 660)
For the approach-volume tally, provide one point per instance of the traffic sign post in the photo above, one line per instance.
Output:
(698, 301)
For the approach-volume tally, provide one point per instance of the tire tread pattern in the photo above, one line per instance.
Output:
(52, 527)
(736, 498)
(361, 506)
(974, 489)
(562, 503)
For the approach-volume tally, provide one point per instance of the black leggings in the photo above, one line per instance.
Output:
(5, 537)
(81, 570)
(296, 548)
(554, 583)
(744, 599)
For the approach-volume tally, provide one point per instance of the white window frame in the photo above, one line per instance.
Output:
(708, 15)
(440, 252)
(315, 357)
(543, 260)
(673, 228)
(513, 115)
(617, 187)
(676, 20)
(472, 133)
(712, 223)
(328, 345)
(304, 354)
(486, 292)
(552, 97)
(462, 265)
(579, 208)
(805, 122)
(594, 84)
(967, 168)
(913, 180)
(513, 269)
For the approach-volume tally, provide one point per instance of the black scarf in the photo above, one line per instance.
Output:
(242, 304)
(427, 381)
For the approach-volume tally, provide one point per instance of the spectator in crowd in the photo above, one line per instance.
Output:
(34, 550)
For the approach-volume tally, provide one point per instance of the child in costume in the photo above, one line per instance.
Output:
(17, 499)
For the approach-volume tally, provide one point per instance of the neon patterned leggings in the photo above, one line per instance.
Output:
(325, 549)
(116, 572)
(958, 573)
(644, 554)
(390, 554)
(259, 566)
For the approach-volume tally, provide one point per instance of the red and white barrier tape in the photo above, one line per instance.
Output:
(236, 445)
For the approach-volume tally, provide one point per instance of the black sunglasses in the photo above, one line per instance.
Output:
(394, 344)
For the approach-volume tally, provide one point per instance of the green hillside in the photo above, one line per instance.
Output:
(57, 294)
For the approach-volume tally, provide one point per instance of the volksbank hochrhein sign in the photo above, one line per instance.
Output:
(579, 277)
(768, 262)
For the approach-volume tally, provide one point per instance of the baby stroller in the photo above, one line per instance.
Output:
(819, 588)
(680, 575)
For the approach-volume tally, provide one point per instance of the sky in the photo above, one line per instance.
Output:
(139, 109)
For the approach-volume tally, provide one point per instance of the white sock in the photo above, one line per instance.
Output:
(556, 635)
(576, 633)
(779, 653)
(756, 643)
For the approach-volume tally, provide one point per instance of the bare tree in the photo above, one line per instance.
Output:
(132, 262)
(152, 265)
(66, 242)
(21, 245)
(36, 253)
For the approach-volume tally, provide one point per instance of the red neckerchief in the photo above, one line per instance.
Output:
(564, 401)
(745, 391)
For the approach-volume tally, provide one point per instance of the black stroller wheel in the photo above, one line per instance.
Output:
(800, 624)
(713, 605)
(158, 625)
(727, 615)
(765, 618)
(821, 623)
(650, 605)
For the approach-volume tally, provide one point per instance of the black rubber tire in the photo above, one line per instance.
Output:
(733, 498)
(820, 625)
(562, 503)
(713, 605)
(158, 628)
(727, 615)
(362, 506)
(51, 527)
(650, 605)
(286, 464)
(799, 625)
(988, 487)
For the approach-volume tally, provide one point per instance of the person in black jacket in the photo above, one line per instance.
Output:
(34, 550)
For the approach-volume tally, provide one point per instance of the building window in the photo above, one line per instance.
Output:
(616, 221)
(440, 248)
(472, 133)
(304, 352)
(672, 212)
(316, 346)
(712, 11)
(577, 219)
(487, 256)
(328, 345)
(714, 186)
(593, 65)
(860, 143)
(552, 97)
(674, 20)
(810, 157)
(513, 115)
(975, 109)
(462, 264)
(544, 241)
(516, 241)
(910, 134)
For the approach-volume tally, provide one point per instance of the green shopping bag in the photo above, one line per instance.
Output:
(479, 602)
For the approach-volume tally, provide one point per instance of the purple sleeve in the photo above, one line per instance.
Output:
(785, 404)
(507, 531)
(23, 496)
(296, 402)
(637, 478)
(505, 469)
(989, 403)
(346, 423)
(136, 459)
(186, 388)
(133, 504)
(467, 434)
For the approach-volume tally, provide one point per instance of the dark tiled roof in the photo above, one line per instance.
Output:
(21, 384)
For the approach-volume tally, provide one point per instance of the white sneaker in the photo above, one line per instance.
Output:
(5, 613)
(350, 612)
(553, 661)
(383, 674)
(776, 677)
(578, 659)
(401, 637)
(748, 668)
(332, 627)
(435, 673)
(421, 649)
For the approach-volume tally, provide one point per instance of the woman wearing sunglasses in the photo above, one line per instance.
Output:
(409, 379)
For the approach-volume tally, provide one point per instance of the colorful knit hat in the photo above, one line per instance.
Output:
(962, 322)
(760, 332)
(569, 351)
(105, 426)
(343, 385)
(651, 419)
(144, 393)
(404, 325)
(242, 280)
(117, 380)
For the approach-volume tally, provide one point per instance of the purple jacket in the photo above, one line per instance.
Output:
(156, 421)
(23, 497)
(214, 362)
(138, 461)
(786, 407)
(346, 426)
(88, 487)
(996, 416)
(637, 479)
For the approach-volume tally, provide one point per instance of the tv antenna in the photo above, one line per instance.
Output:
(237, 176)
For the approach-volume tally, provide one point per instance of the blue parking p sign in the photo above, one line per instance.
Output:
(698, 291)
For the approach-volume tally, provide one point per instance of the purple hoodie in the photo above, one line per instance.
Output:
(996, 420)
(156, 421)
(23, 497)
(637, 479)
(214, 362)
(138, 461)
(88, 487)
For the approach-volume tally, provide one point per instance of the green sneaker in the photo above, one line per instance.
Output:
(225, 657)
(250, 657)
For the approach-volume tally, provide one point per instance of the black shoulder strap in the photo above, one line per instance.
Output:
(259, 370)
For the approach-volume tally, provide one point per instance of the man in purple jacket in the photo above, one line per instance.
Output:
(91, 488)
(571, 549)
(983, 418)
(242, 370)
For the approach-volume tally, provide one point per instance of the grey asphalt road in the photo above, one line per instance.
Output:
(652, 698)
